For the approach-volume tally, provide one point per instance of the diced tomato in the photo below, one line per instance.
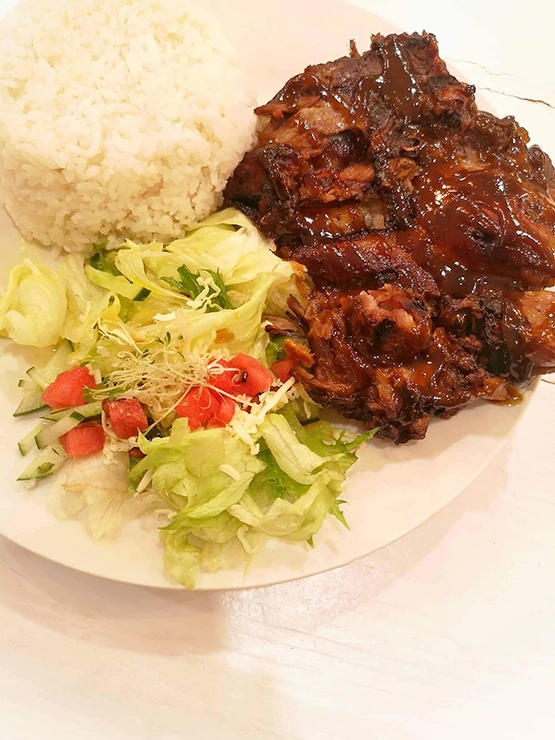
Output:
(68, 388)
(199, 406)
(83, 440)
(126, 417)
(226, 380)
(245, 376)
(256, 378)
(282, 368)
(225, 413)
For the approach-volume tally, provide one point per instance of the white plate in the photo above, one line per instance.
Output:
(390, 491)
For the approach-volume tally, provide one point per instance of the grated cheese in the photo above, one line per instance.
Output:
(231, 471)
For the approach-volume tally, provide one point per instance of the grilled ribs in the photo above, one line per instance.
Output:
(426, 225)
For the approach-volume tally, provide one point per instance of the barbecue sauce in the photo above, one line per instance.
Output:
(451, 208)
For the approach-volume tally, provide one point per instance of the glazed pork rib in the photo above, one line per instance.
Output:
(427, 226)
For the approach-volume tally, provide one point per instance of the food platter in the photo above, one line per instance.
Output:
(390, 491)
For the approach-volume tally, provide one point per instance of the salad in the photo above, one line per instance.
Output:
(170, 391)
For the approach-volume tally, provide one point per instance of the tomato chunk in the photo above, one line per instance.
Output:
(282, 368)
(83, 440)
(225, 413)
(227, 380)
(256, 378)
(198, 406)
(243, 376)
(68, 388)
(126, 417)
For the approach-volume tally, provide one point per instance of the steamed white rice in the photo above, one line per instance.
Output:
(117, 119)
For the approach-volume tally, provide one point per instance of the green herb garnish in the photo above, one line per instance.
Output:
(188, 285)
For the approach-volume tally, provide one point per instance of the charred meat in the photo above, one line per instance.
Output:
(427, 226)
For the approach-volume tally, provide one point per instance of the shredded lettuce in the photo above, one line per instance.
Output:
(202, 473)
(226, 497)
(296, 459)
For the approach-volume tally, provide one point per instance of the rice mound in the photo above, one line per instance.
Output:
(118, 118)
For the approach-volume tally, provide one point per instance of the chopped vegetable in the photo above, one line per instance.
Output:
(99, 487)
(28, 442)
(83, 440)
(243, 375)
(69, 388)
(275, 350)
(37, 378)
(203, 476)
(198, 406)
(255, 377)
(142, 294)
(224, 377)
(207, 287)
(225, 412)
(168, 344)
(54, 431)
(31, 401)
(33, 309)
(47, 462)
(87, 411)
(126, 416)
(282, 368)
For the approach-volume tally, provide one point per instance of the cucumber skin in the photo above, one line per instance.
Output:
(31, 402)
(28, 442)
(53, 432)
(47, 462)
(87, 411)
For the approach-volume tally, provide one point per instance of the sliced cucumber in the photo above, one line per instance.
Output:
(38, 378)
(55, 365)
(36, 382)
(58, 362)
(142, 294)
(28, 442)
(87, 411)
(45, 463)
(54, 431)
(32, 400)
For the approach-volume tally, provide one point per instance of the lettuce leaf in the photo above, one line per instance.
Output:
(227, 501)
(296, 459)
(116, 284)
(182, 559)
(42, 306)
(33, 309)
(99, 488)
(86, 303)
(202, 472)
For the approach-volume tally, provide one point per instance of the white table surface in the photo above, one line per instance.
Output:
(448, 633)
